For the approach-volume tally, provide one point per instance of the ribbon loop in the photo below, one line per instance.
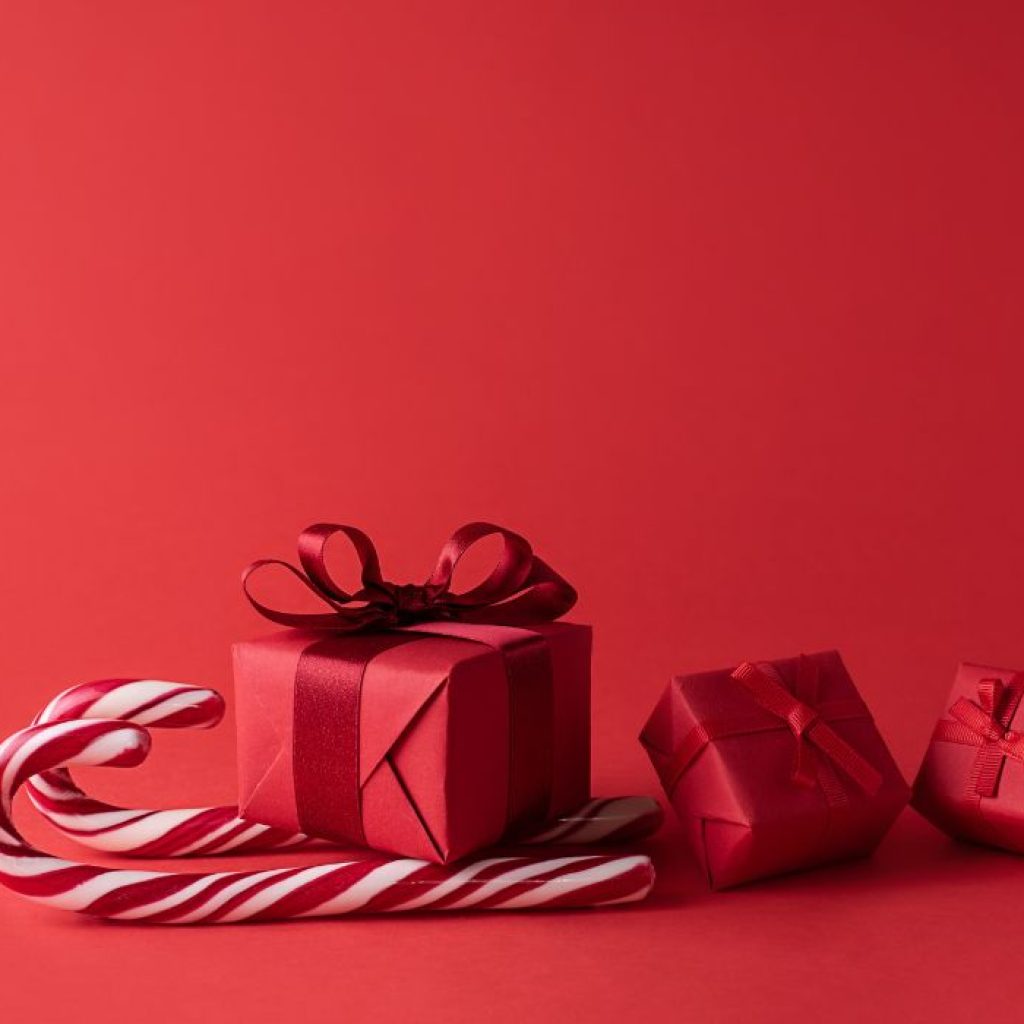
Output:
(983, 723)
(313, 559)
(521, 588)
(990, 695)
(508, 575)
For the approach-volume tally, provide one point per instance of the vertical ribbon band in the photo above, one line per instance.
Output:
(325, 759)
(328, 696)
(531, 766)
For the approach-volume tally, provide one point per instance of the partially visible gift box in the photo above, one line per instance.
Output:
(412, 719)
(971, 783)
(773, 767)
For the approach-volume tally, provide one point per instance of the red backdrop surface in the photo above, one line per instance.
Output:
(717, 303)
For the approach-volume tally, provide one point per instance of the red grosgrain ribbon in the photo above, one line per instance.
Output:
(986, 724)
(813, 735)
(819, 750)
(521, 588)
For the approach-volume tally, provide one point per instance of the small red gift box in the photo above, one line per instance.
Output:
(412, 719)
(971, 783)
(773, 767)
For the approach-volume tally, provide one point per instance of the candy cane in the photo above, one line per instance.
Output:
(196, 831)
(613, 820)
(369, 884)
(212, 830)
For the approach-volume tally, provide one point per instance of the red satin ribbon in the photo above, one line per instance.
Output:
(819, 748)
(325, 735)
(986, 724)
(328, 692)
(521, 588)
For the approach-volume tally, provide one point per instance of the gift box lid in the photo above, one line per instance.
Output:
(722, 754)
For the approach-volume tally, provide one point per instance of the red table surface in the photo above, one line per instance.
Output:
(717, 303)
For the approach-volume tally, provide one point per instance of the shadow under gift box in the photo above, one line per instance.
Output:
(455, 746)
(971, 782)
(756, 789)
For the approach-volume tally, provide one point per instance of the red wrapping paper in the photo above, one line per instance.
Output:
(788, 775)
(435, 731)
(971, 782)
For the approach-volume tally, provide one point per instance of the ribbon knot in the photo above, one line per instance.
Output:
(520, 588)
(801, 719)
(985, 723)
(410, 601)
(818, 746)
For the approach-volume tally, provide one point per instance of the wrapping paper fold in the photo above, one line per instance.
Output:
(430, 741)
(971, 782)
(773, 767)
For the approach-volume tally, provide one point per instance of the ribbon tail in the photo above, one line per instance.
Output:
(985, 772)
(805, 764)
(845, 757)
(672, 770)
(831, 786)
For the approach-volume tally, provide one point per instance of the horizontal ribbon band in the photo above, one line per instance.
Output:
(986, 724)
(819, 748)
(521, 588)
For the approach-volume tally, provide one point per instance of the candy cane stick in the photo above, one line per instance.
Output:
(212, 830)
(613, 820)
(368, 884)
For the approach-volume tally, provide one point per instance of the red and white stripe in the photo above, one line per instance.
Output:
(211, 830)
(180, 832)
(367, 884)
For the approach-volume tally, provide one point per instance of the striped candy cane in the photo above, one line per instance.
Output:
(180, 832)
(212, 830)
(368, 884)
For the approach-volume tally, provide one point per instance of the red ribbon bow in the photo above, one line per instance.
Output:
(521, 588)
(818, 746)
(814, 736)
(986, 724)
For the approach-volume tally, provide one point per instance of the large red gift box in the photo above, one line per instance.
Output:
(773, 767)
(971, 783)
(412, 719)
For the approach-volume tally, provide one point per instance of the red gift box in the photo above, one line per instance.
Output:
(404, 720)
(773, 767)
(971, 783)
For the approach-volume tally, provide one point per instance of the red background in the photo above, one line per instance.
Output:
(717, 303)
